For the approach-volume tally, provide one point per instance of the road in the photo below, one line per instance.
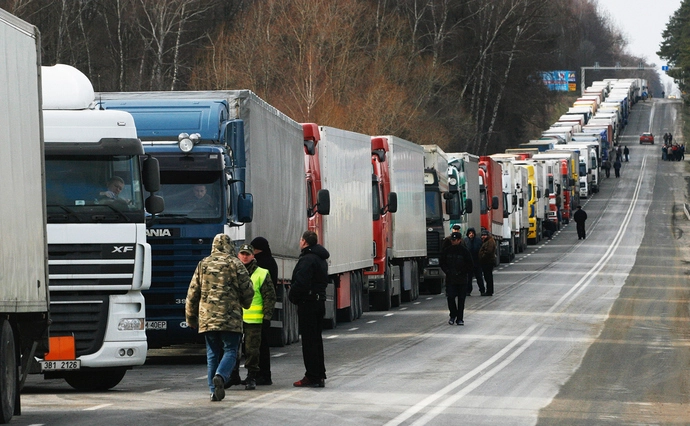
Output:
(580, 332)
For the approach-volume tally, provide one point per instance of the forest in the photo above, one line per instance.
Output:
(462, 74)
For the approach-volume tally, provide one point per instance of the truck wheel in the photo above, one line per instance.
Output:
(8, 373)
(95, 380)
(381, 301)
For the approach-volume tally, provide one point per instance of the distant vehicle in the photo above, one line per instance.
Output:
(647, 138)
(672, 96)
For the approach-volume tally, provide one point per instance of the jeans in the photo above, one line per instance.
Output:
(221, 353)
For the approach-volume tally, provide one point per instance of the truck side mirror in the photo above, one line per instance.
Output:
(468, 206)
(539, 193)
(521, 202)
(323, 202)
(514, 199)
(392, 202)
(151, 175)
(154, 204)
(245, 208)
(506, 214)
(494, 203)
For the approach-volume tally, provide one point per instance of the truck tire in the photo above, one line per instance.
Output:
(95, 380)
(381, 300)
(8, 373)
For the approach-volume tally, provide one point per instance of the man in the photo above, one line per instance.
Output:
(626, 153)
(473, 244)
(487, 260)
(219, 289)
(456, 263)
(201, 200)
(580, 217)
(264, 258)
(261, 310)
(308, 292)
(446, 241)
(114, 186)
(617, 167)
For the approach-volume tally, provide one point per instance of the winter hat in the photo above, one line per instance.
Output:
(261, 243)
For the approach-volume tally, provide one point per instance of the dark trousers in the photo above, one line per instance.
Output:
(265, 351)
(456, 300)
(310, 314)
(618, 172)
(488, 271)
(476, 272)
(581, 230)
(252, 342)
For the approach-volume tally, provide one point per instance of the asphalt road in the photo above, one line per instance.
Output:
(591, 332)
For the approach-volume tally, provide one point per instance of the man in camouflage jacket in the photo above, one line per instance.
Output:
(219, 289)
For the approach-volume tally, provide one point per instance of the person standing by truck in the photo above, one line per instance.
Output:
(308, 292)
(219, 289)
(580, 217)
(456, 262)
(473, 244)
(261, 310)
(487, 260)
(264, 258)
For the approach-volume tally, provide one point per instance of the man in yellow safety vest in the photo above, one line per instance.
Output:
(261, 310)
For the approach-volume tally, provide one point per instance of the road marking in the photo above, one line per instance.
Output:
(389, 315)
(371, 322)
(332, 337)
(353, 329)
(525, 340)
(97, 407)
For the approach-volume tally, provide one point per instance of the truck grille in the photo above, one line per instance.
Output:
(83, 315)
(433, 242)
(91, 264)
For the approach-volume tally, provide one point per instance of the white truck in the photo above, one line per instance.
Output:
(468, 186)
(515, 202)
(98, 258)
(339, 162)
(24, 298)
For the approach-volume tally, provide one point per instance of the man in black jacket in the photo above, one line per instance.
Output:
(457, 264)
(308, 292)
(580, 217)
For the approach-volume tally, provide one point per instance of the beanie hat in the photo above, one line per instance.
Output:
(260, 243)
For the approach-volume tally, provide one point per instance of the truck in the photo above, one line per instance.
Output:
(338, 181)
(249, 159)
(516, 215)
(24, 296)
(467, 166)
(437, 216)
(399, 227)
(98, 259)
(536, 206)
(567, 179)
(491, 200)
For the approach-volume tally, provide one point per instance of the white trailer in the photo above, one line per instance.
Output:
(24, 298)
(468, 165)
(345, 171)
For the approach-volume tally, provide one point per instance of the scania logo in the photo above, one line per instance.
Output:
(163, 232)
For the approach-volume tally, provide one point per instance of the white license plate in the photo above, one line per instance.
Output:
(156, 325)
(60, 365)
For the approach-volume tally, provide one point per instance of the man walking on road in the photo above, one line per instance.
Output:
(580, 217)
(473, 244)
(487, 260)
(308, 292)
(456, 262)
(219, 289)
(617, 167)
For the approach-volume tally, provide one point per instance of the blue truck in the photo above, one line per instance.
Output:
(229, 163)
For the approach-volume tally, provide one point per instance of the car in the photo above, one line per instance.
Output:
(647, 138)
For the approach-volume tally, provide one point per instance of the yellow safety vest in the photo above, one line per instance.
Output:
(255, 313)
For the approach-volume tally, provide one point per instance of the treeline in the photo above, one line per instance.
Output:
(463, 74)
(675, 47)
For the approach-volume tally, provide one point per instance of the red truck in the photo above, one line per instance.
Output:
(491, 198)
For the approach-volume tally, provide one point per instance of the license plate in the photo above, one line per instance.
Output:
(60, 365)
(156, 325)
(433, 272)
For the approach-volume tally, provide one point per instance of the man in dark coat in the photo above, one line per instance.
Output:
(580, 217)
(308, 292)
(264, 258)
(617, 167)
(487, 260)
(473, 244)
(456, 263)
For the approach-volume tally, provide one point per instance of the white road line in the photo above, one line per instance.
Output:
(525, 340)
(97, 407)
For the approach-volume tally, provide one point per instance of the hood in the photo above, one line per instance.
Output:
(318, 250)
(223, 244)
(470, 230)
(261, 243)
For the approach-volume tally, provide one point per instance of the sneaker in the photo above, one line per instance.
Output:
(263, 381)
(308, 383)
(451, 321)
(460, 322)
(219, 387)
(250, 383)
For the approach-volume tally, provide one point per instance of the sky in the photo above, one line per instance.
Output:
(642, 22)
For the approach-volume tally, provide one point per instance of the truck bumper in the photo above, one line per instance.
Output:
(376, 283)
(116, 354)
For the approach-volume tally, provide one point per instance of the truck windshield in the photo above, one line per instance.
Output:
(433, 205)
(93, 189)
(193, 195)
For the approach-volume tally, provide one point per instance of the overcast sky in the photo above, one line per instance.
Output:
(642, 22)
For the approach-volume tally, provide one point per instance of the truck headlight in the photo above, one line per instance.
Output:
(129, 324)
(505, 242)
(433, 261)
